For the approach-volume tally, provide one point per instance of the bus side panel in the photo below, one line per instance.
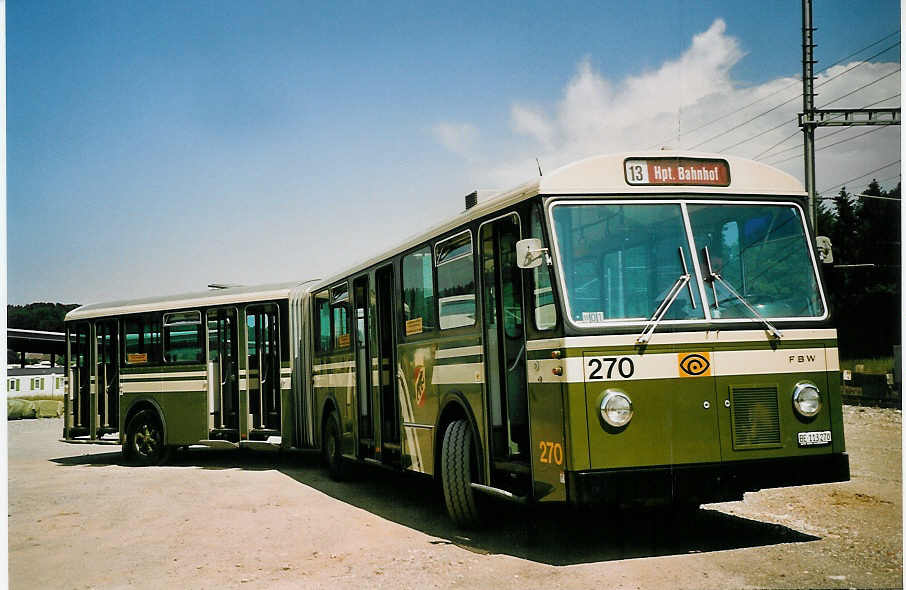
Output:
(549, 441)
(834, 399)
(578, 451)
(457, 368)
(334, 377)
(180, 394)
(287, 410)
(418, 401)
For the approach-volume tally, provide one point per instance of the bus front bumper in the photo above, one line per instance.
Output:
(702, 483)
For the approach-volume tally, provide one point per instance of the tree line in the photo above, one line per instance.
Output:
(47, 317)
(864, 280)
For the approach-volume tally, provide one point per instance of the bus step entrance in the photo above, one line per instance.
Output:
(109, 432)
(227, 434)
(514, 476)
(518, 467)
(263, 433)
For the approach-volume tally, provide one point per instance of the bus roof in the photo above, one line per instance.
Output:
(226, 296)
(597, 175)
(604, 175)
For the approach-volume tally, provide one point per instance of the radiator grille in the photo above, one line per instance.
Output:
(756, 417)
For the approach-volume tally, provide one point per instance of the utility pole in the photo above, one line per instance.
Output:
(808, 106)
(810, 117)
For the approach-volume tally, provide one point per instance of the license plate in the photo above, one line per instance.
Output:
(808, 439)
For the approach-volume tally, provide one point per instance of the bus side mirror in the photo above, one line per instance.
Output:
(825, 250)
(529, 253)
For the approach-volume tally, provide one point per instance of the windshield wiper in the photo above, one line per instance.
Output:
(713, 276)
(672, 294)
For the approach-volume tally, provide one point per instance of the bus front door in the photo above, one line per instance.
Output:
(362, 319)
(386, 380)
(78, 400)
(263, 372)
(223, 374)
(108, 377)
(504, 348)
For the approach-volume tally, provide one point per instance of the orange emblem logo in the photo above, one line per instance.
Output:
(694, 364)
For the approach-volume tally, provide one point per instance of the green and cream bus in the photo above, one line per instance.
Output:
(646, 328)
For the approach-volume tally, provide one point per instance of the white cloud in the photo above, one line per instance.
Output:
(689, 103)
(532, 122)
(459, 138)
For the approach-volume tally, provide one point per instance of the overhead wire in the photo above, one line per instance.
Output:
(824, 147)
(862, 87)
(757, 135)
(795, 133)
(869, 173)
(779, 90)
(835, 76)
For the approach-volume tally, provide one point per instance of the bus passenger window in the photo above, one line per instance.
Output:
(142, 340)
(182, 337)
(339, 302)
(418, 292)
(455, 282)
(322, 316)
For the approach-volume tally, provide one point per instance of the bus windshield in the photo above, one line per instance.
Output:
(762, 252)
(619, 260)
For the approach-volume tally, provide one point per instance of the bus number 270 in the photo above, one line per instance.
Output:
(603, 367)
(551, 452)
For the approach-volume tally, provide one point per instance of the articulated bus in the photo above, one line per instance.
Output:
(644, 328)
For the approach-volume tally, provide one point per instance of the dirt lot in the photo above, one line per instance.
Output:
(78, 518)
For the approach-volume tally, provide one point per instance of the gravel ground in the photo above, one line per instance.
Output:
(78, 518)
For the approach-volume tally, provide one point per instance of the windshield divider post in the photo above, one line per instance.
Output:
(711, 274)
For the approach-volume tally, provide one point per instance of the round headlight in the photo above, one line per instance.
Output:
(616, 408)
(806, 399)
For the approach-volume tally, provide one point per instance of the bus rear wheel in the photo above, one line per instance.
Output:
(456, 473)
(330, 447)
(145, 439)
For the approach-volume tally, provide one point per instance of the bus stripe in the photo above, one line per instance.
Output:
(723, 363)
(446, 353)
(704, 337)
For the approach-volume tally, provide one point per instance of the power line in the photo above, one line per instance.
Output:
(860, 88)
(858, 65)
(835, 76)
(738, 143)
(863, 196)
(824, 147)
(883, 180)
(887, 165)
(779, 90)
(795, 133)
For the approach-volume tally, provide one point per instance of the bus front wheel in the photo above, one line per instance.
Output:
(145, 439)
(456, 473)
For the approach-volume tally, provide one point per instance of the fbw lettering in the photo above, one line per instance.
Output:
(802, 358)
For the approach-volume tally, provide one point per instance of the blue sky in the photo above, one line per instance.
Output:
(154, 147)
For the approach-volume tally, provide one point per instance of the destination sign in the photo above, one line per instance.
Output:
(677, 171)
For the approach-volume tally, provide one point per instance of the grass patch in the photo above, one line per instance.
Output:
(39, 397)
(873, 366)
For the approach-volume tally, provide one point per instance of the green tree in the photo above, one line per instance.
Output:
(47, 317)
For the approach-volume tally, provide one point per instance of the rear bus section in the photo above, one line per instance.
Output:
(211, 368)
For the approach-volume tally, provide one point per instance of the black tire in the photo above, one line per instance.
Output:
(332, 450)
(145, 439)
(456, 475)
